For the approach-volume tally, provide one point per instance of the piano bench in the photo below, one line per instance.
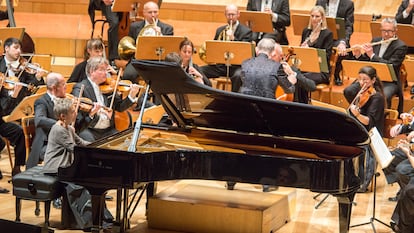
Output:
(33, 185)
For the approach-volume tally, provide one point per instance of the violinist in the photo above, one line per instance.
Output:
(12, 65)
(45, 118)
(367, 105)
(94, 48)
(389, 50)
(98, 122)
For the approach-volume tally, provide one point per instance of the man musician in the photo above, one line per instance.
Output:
(232, 31)
(151, 25)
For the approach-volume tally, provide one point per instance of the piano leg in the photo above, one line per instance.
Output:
(98, 204)
(345, 208)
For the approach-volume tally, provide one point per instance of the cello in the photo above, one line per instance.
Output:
(27, 41)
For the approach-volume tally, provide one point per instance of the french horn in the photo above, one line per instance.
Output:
(126, 48)
(225, 35)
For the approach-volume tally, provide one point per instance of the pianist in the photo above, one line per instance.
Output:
(99, 122)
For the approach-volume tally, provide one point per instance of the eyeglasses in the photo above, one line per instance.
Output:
(231, 15)
(387, 31)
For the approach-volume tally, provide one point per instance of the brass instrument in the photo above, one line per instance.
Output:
(126, 48)
(225, 35)
(150, 30)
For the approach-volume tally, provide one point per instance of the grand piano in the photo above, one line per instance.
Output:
(219, 135)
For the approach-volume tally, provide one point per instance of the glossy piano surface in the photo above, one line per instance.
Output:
(226, 136)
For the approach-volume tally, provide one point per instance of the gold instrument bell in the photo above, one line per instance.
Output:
(225, 35)
(126, 48)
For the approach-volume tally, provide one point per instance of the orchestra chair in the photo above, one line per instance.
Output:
(223, 83)
(96, 21)
(29, 129)
(8, 151)
(391, 118)
(323, 86)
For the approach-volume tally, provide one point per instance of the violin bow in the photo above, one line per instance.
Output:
(115, 87)
(78, 102)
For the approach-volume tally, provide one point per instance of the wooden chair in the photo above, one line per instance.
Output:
(391, 118)
(29, 129)
(8, 151)
(322, 86)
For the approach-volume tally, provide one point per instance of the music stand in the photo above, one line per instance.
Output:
(257, 21)
(335, 25)
(8, 32)
(404, 32)
(4, 3)
(156, 47)
(315, 58)
(351, 69)
(23, 109)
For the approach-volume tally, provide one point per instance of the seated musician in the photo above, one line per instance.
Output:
(280, 18)
(94, 48)
(367, 105)
(403, 215)
(186, 52)
(45, 118)
(340, 9)
(259, 75)
(232, 31)
(12, 66)
(59, 154)
(390, 50)
(99, 122)
(151, 24)
(113, 19)
(317, 35)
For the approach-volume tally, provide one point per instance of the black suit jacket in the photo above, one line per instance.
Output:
(78, 73)
(242, 33)
(45, 118)
(399, 16)
(345, 11)
(281, 8)
(136, 27)
(83, 120)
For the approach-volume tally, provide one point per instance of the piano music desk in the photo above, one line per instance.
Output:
(207, 206)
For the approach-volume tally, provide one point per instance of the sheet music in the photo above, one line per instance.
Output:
(380, 149)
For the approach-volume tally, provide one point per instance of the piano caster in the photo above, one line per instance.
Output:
(230, 185)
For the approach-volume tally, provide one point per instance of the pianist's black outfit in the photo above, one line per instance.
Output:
(374, 109)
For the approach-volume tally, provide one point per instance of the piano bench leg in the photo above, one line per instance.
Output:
(47, 212)
(18, 209)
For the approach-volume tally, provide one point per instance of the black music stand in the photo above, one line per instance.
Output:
(156, 47)
(8, 32)
(228, 53)
(257, 21)
(383, 157)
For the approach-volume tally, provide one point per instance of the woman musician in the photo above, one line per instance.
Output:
(367, 105)
(186, 53)
(317, 35)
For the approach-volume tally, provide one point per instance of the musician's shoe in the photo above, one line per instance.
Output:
(395, 227)
(269, 188)
(1, 175)
(109, 198)
(412, 90)
(3, 190)
(394, 199)
(338, 82)
(57, 203)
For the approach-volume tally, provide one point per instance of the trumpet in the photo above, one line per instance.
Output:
(359, 47)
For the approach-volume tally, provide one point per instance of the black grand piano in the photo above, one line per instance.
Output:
(219, 135)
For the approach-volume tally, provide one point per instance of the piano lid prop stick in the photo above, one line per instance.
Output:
(138, 123)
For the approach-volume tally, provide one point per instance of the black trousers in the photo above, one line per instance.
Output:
(14, 133)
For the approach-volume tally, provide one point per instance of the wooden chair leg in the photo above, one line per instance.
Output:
(9, 152)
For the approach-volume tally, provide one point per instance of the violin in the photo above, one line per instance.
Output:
(9, 83)
(280, 93)
(109, 85)
(364, 96)
(85, 104)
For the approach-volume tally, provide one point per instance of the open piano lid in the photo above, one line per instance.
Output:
(215, 109)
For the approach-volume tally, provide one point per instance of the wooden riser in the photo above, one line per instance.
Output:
(209, 207)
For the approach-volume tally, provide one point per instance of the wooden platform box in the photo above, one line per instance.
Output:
(193, 207)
